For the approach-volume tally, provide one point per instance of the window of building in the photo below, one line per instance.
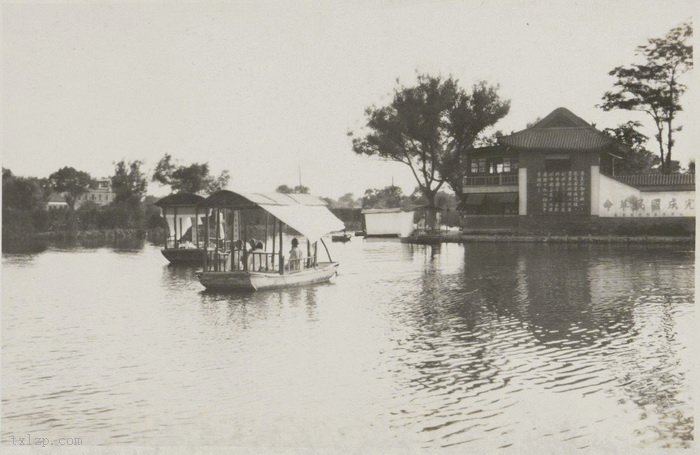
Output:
(482, 165)
(506, 165)
(475, 166)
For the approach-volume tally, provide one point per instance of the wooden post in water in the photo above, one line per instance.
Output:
(315, 253)
(274, 238)
(206, 238)
(267, 219)
(218, 235)
(195, 231)
(308, 253)
(281, 249)
(175, 242)
(241, 222)
(167, 230)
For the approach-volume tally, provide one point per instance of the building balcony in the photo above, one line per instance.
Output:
(497, 183)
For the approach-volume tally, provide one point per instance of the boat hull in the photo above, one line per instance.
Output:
(183, 255)
(255, 281)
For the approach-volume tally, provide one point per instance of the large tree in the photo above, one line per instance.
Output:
(195, 178)
(128, 181)
(428, 127)
(654, 85)
(71, 183)
(636, 158)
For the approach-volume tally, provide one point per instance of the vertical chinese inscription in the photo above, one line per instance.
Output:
(562, 191)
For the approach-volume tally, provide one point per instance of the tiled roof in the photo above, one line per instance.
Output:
(657, 182)
(56, 197)
(560, 130)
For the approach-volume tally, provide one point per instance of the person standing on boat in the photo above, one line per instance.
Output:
(295, 256)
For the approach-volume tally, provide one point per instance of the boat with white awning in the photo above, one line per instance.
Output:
(184, 241)
(246, 248)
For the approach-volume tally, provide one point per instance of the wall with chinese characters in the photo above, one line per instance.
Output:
(620, 200)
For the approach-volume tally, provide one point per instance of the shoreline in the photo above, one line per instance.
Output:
(431, 239)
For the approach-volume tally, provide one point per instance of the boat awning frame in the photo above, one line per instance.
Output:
(305, 214)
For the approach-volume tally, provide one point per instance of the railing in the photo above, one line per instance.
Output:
(656, 179)
(498, 179)
(299, 265)
(262, 262)
(219, 260)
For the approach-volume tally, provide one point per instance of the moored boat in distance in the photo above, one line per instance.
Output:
(184, 243)
(344, 237)
(247, 249)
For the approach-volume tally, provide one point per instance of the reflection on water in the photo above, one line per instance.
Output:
(481, 346)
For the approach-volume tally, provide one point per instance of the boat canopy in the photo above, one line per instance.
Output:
(304, 213)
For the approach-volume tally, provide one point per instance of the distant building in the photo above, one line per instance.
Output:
(101, 195)
(563, 166)
(56, 202)
(388, 222)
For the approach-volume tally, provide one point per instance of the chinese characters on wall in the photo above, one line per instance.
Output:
(562, 191)
(655, 205)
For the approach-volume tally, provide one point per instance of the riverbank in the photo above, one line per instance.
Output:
(39, 241)
(97, 235)
(460, 237)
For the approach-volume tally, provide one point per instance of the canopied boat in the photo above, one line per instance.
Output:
(235, 260)
(184, 242)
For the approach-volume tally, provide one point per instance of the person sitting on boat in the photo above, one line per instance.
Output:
(295, 256)
(256, 247)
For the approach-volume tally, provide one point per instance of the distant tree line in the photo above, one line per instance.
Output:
(25, 200)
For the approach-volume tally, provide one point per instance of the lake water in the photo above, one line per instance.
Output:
(480, 346)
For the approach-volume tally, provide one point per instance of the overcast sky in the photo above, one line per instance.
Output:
(263, 88)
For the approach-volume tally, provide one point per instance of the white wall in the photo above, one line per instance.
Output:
(522, 191)
(619, 200)
(396, 223)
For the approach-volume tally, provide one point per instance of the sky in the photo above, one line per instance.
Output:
(265, 89)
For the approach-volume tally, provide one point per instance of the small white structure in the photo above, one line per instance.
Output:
(388, 222)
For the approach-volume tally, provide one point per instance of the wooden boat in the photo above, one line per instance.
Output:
(231, 265)
(341, 237)
(183, 243)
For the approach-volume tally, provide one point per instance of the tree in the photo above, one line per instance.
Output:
(286, 189)
(428, 127)
(128, 182)
(654, 86)
(194, 178)
(347, 200)
(71, 183)
(636, 158)
(21, 193)
(386, 198)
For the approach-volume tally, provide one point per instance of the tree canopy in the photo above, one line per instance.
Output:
(385, 198)
(654, 85)
(636, 158)
(428, 127)
(286, 189)
(195, 178)
(22, 193)
(128, 182)
(71, 183)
